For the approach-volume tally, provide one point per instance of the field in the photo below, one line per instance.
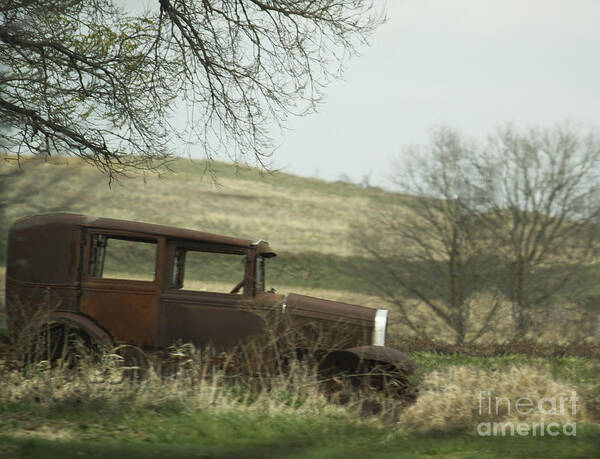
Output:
(47, 412)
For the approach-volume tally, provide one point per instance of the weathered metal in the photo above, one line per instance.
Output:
(55, 262)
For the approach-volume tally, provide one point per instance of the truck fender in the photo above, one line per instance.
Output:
(350, 360)
(80, 322)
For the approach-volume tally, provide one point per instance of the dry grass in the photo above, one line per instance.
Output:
(555, 323)
(247, 205)
(187, 381)
(459, 397)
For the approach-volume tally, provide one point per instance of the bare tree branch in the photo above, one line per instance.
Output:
(87, 78)
(542, 196)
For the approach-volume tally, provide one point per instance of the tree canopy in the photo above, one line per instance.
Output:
(92, 79)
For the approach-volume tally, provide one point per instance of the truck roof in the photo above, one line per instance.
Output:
(87, 221)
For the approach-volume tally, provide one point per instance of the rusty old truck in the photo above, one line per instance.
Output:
(149, 285)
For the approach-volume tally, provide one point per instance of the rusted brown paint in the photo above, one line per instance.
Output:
(49, 259)
(128, 309)
(331, 311)
(207, 319)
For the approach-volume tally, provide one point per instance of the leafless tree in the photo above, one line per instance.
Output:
(541, 192)
(88, 78)
(518, 216)
(427, 248)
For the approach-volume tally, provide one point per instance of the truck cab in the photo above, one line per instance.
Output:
(148, 285)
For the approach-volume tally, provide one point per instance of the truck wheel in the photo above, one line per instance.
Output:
(61, 344)
(389, 380)
(135, 364)
(343, 369)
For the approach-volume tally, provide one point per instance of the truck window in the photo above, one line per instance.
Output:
(113, 257)
(209, 271)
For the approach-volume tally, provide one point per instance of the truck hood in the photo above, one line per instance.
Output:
(303, 306)
(369, 325)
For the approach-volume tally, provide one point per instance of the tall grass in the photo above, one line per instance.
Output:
(187, 380)
(257, 396)
(190, 381)
(461, 396)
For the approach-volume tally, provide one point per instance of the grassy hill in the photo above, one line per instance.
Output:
(306, 221)
(286, 210)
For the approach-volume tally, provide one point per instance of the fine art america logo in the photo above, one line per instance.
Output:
(525, 406)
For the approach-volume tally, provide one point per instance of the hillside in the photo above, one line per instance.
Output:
(306, 221)
(288, 211)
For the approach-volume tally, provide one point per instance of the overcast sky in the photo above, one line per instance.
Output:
(468, 64)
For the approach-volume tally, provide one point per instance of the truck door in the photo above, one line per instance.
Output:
(208, 296)
(119, 286)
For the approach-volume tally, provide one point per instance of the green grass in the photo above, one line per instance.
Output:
(36, 431)
(577, 370)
